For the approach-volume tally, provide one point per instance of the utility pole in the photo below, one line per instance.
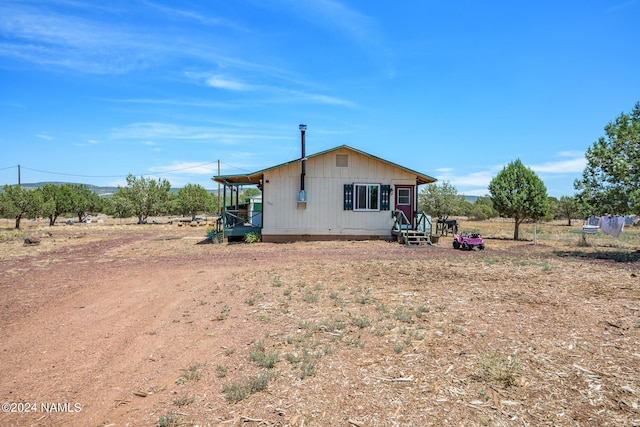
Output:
(18, 175)
(219, 207)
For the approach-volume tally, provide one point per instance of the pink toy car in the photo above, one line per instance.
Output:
(468, 241)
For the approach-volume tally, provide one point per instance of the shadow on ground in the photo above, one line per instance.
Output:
(610, 255)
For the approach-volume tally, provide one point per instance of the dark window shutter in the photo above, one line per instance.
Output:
(348, 197)
(385, 197)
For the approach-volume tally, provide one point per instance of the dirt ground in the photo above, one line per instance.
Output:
(130, 325)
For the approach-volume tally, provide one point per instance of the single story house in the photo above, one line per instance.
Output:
(338, 194)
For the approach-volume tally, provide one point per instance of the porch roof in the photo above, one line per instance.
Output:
(255, 177)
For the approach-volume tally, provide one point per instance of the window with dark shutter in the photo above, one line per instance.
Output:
(385, 196)
(348, 197)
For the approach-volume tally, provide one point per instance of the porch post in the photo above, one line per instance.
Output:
(224, 205)
(415, 205)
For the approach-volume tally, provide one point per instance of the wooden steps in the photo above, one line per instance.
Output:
(414, 238)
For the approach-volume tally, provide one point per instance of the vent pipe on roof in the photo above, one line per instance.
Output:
(302, 196)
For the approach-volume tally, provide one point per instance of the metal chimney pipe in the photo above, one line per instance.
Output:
(303, 128)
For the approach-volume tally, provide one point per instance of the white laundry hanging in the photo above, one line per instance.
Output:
(612, 225)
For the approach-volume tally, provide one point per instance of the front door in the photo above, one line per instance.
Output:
(404, 201)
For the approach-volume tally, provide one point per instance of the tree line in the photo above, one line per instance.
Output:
(141, 197)
(443, 200)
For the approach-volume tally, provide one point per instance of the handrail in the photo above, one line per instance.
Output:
(423, 223)
(231, 218)
(398, 225)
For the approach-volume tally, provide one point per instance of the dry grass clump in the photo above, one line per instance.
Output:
(240, 390)
(192, 373)
(495, 368)
(263, 358)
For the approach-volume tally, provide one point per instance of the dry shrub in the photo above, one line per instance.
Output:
(494, 368)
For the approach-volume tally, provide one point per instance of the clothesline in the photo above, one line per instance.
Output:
(613, 225)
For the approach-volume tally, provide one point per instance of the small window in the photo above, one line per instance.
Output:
(342, 160)
(366, 197)
(404, 196)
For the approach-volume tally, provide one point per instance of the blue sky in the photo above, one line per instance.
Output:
(91, 91)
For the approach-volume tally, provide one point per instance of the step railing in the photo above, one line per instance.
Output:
(401, 224)
(233, 218)
(403, 227)
(424, 224)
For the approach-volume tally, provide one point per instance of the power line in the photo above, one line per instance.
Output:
(235, 167)
(110, 176)
(121, 176)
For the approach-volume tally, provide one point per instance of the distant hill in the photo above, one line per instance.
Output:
(100, 191)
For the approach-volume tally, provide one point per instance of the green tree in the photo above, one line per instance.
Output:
(485, 204)
(552, 209)
(464, 208)
(567, 208)
(248, 193)
(17, 202)
(118, 206)
(173, 204)
(84, 201)
(482, 209)
(480, 212)
(58, 199)
(193, 199)
(146, 196)
(611, 180)
(440, 200)
(518, 193)
(213, 203)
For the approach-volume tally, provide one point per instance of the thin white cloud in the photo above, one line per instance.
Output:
(277, 94)
(88, 143)
(220, 81)
(472, 179)
(194, 16)
(108, 44)
(572, 154)
(150, 131)
(477, 183)
(322, 99)
(336, 16)
(224, 83)
(575, 165)
(184, 103)
(46, 37)
(45, 136)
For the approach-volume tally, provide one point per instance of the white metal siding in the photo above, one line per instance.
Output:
(323, 213)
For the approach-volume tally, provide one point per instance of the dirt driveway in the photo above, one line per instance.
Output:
(146, 326)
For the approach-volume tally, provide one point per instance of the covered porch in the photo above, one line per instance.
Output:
(238, 217)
